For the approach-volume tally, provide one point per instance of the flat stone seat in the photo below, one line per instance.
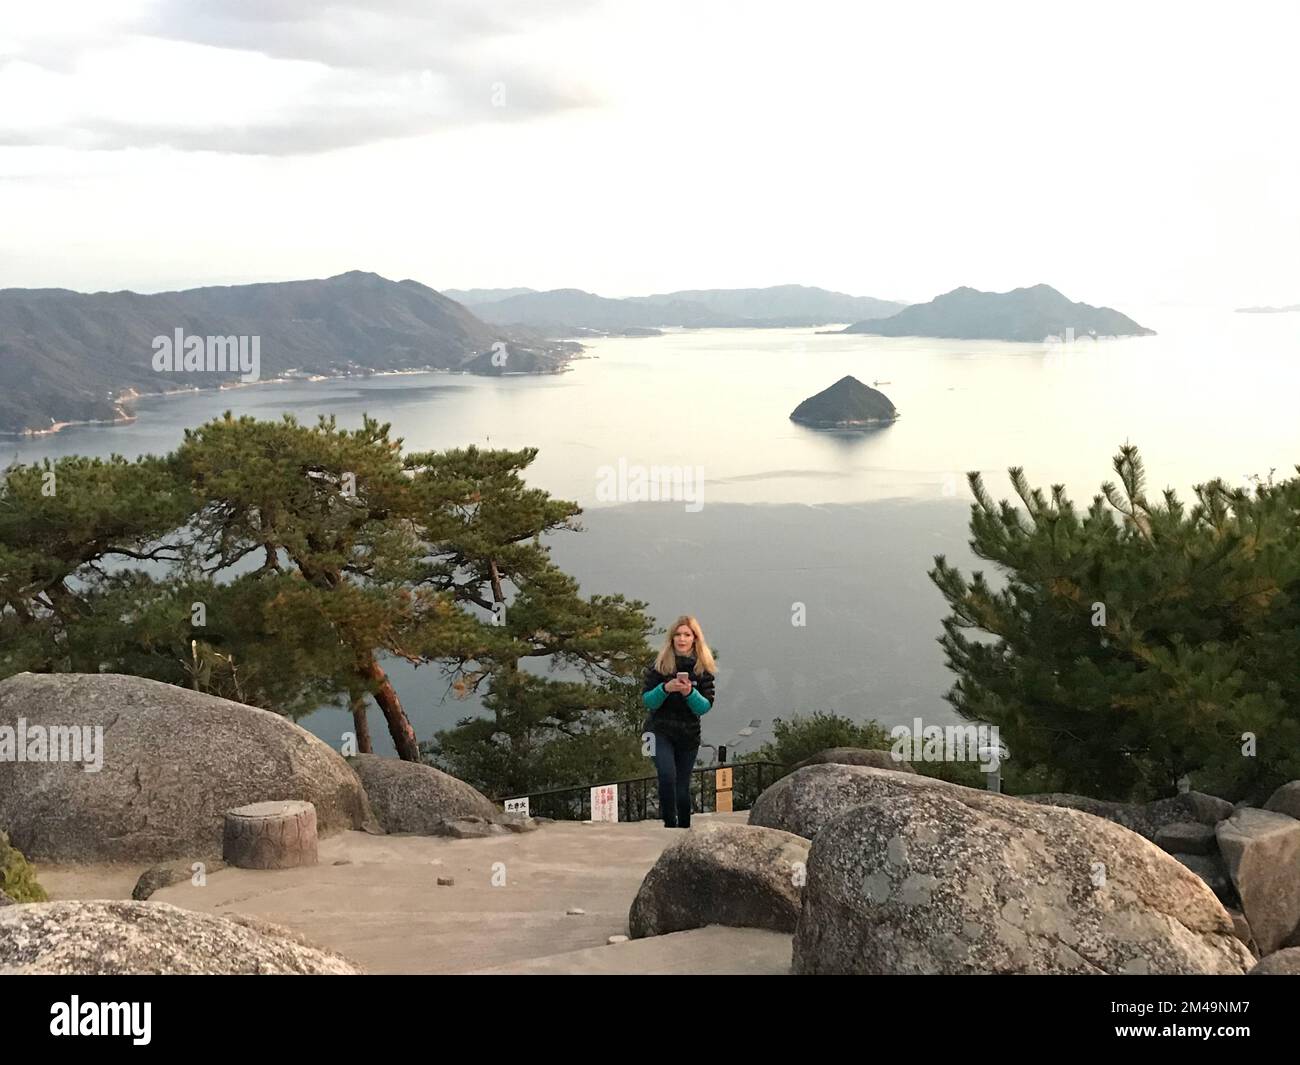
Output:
(270, 835)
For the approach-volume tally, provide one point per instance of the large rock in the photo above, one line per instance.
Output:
(5, 900)
(1146, 819)
(174, 761)
(726, 874)
(1242, 927)
(1187, 837)
(1210, 868)
(469, 827)
(163, 876)
(413, 797)
(128, 938)
(856, 756)
(809, 798)
(1280, 963)
(1286, 800)
(956, 880)
(1261, 850)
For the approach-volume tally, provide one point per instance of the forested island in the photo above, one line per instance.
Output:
(1030, 315)
(847, 404)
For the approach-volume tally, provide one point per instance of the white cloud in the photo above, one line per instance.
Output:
(1123, 153)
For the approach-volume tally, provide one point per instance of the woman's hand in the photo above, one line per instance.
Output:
(675, 685)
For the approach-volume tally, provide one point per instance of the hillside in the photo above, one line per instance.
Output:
(472, 297)
(65, 356)
(847, 404)
(568, 311)
(812, 306)
(1024, 314)
(563, 309)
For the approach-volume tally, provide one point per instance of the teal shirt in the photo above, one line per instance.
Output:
(697, 702)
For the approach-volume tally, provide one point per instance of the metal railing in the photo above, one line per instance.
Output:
(638, 797)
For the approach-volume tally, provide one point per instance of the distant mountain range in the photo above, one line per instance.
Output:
(569, 311)
(847, 404)
(69, 356)
(470, 297)
(1269, 310)
(1023, 314)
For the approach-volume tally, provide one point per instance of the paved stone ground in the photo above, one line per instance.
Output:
(382, 907)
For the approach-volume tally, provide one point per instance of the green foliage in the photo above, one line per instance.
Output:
(17, 878)
(285, 563)
(803, 735)
(543, 734)
(1136, 642)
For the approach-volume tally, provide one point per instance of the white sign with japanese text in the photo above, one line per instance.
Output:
(604, 802)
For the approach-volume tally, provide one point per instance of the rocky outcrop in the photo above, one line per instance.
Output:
(725, 874)
(174, 761)
(128, 938)
(1261, 850)
(412, 797)
(924, 879)
(161, 876)
(856, 756)
(807, 799)
(473, 827)
(1146, 819)
(1210, 868)
(1286, 800)
(1281, 963)
(1187, 837)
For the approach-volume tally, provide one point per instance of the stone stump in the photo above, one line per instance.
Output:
(270, 835)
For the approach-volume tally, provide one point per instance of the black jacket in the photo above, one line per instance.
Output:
(674, 718)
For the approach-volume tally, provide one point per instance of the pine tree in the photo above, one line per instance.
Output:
(330, 509)
(287, 563)
(485, 527)
(1136, 643)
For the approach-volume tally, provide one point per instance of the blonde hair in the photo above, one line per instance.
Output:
(667, 661)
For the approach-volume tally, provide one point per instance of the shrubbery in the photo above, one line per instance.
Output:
(17, 878)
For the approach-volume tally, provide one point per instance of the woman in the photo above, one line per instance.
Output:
(678, 691)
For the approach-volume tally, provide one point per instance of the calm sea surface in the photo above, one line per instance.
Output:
(844, 524)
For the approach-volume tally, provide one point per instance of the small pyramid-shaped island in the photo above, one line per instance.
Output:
(847, 404)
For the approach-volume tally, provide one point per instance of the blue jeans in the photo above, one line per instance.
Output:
(673, 763)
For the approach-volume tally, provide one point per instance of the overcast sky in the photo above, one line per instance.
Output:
(1128, 153)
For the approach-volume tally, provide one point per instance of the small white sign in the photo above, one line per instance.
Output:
(604, 802)
(517, 806)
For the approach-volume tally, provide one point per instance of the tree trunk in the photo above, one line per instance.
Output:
(399, 726)
(361, 724)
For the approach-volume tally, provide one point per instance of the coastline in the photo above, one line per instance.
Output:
(129, 395)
